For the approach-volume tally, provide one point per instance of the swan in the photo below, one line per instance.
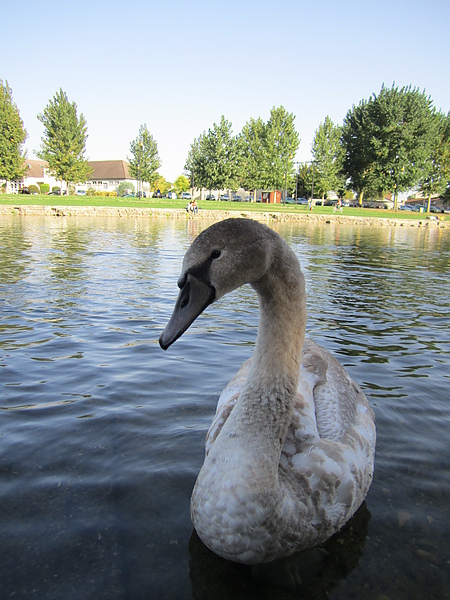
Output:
(290, 451)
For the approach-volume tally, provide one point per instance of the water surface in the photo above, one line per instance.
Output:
(102, 433)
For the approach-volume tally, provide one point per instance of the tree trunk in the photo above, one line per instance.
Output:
(428, 203)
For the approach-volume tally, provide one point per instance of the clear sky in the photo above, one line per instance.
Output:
(179, 65)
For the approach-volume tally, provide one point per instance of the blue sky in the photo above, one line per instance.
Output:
(178, 66)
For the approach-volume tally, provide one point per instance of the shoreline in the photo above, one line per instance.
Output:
(215, 215)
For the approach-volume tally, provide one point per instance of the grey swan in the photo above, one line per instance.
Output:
(290, 452)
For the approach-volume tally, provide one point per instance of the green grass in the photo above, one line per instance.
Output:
(164, 203)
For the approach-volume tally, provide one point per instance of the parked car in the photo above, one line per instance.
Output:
(237, 199)
(24, 190)
(248, 199)
(80, 193)
(289, 200)
(436, 209)
(225, 198)
(57, 193)
(172, 195)
(186, 196)
(210, 197)
(405, 207)
(302, 200)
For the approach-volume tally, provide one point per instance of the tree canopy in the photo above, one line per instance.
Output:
(262, 156)
(12, 137)
(388, 140)
(144, 162)
(64, 141)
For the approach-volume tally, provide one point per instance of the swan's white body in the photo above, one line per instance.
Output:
(289, 454)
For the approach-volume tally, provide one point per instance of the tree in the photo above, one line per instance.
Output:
(358, 154)
(12, 137)
(252, 144)
(196, 166)
(267, 150)
(160, 184)
(327, 152)
(213, 159)
(181, 184)
(281, 144)
(64, 142)
(220, 153)
(124, 188)
(403, 133)
(436, 174)
(389, 139)
(144, 161)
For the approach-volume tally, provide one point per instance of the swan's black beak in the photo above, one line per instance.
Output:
(194, 297)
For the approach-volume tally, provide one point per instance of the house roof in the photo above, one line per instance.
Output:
(35, 167)
(101, 169)
(108, 169)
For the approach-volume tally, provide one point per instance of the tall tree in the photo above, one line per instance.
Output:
(196, 166)
(389, 139)
(64, 141)
(436, 174)
(220, 153)
(358, 154)
(282, 142)
(328, 157)
(144, 161)
(252, 148)
(403, 136)
(12, 137)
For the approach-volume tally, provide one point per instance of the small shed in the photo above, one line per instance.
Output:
(271, 197)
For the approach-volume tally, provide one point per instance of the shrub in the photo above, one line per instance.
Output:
(125, 187)
(33, 189)
(44, 188)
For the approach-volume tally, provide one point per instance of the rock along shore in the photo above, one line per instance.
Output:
(214, 215)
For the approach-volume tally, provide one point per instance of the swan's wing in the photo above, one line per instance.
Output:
(331, 440)
(226, 403)
(338, 400)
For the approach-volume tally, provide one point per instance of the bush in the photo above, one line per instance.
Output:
(125, 187)
(33, 189)
(44, 188)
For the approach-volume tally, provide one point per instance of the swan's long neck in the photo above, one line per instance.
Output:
(265, 407)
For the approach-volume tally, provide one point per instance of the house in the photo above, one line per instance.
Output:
(107, 175)
(37, 173)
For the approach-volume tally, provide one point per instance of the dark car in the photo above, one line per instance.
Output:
(24, 190)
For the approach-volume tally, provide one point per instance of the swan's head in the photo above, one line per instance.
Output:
(222, 258)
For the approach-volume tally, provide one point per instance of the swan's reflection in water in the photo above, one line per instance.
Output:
(311, 574)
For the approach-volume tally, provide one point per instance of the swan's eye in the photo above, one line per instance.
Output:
(215, 254)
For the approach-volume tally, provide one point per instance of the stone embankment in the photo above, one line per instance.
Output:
(216, 215)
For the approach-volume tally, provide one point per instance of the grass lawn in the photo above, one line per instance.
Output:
(164, 203)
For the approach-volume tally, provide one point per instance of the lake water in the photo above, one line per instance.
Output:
(102, 433)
